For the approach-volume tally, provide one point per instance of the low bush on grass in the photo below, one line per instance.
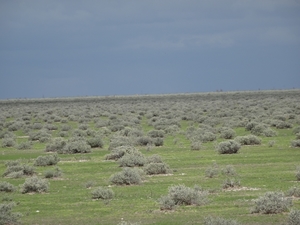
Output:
(7, 217)
(182, 195)
(228, 147)
(41, 135)
(219, 221)
(298, 173)
(166, 203)
(196, 145)
(16, 170)
(227, 133)
(156, 134)
(295, 143)
(102, 193)
(56, 145)
(76, 146)
(47, 160)
(212, 171)
(127, 176)
(132, 159)
(34, 184)
(293, 191)
(95, 142)
(8, 142)
(25, 145)
(89, 184)
(158, 142)
(6, 187)
(271, 143)
(229, 170)
(156, 168)
(53, 173)
(248, 140)
(154, 159)
(117, 141)
(271, 203)
(231, 183)
(294, 217)
(120, 151)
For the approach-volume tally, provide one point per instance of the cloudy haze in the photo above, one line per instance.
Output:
(77, 48)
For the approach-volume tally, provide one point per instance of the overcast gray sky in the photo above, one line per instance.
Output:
(55, 48)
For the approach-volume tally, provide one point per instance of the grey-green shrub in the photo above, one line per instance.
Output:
(268, 132)
(76, 146)
(227, 133)
(298, 173)
(56, 145)
(295, 143)
(248, 140)
(219, 221)
(34, 184)
(156, 168)
(196, 145)
(156, 133)
(166, 203)
(25, 145)
(6, 187)
(158, 141)
(183, 195)
(127, 176)
(16, 170)
(229, 170)
(212, 170)
(272, 203)
(230, 183)
(132, 159)
(102, 193)
(293, 191)
(41, 135)
(228, 147)
(47, 160)
(7, 217)
(154, 159)
(294, 217)
(120, 151)
(8, 142)
(53, 173)
(95, 142)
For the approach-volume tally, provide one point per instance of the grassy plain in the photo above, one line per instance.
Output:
(260, 169)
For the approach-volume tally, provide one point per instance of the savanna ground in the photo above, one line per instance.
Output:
(184, 119)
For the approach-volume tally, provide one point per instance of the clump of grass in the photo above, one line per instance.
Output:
(271, 203)
(271, 143)
(212, 171)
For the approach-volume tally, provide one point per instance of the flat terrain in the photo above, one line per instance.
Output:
(185, 119)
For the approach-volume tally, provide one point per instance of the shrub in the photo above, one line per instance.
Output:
(207, 136)
(154, 159)
(248, 140)
(41, 135)
(219, 221)
(119, 141)
(47, 160)
(228, 147)
(53, 173)
(271, 143)
(34, 184)
(144, 141)
(230, 183)
(132, 159)
(7, 216)
(8, 142)
(295, 143)
(298, 173)
(271, 203)
(196, 145)
(16, 170)
(76, 146)
(183, 195)
(283, 125)
(294, 217)
(294, 191)
(166, 203)
(25, 145)
(95, 142)
(119, 152)
(102, 193)
(156, 134)
(227, 133)
(56, 145)
(127, 176)
(229, 170)
(156, 168)
(158, 142)
(89, 184)
(212, 170)
(6, 187)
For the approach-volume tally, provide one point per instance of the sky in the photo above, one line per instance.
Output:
(75, 48)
